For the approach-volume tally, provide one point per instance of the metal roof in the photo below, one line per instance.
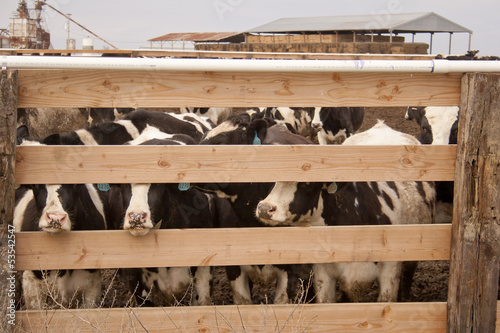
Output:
(200, 37)
(409, 22)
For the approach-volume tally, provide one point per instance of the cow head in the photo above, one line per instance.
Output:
(238, 129)
(415, 112)
(292, 203)
(69, 207)
(145, 206)
(58, 206)
(335, 124)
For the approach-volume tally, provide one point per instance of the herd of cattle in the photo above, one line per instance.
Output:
(139, 208)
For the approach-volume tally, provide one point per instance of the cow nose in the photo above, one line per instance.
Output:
(137, 218)
(56, 220)
(265, 210)
(316, 126)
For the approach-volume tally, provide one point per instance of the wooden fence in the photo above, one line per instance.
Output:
(471, 242)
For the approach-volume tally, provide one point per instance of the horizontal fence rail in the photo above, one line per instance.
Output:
(215, 164)
(225, 247)
(94, 88)
(312, 318)
(346, 318)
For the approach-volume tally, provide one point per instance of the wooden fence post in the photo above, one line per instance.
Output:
(8, 120)
(475, 248)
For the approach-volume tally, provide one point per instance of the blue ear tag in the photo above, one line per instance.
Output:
(104, 187)
(332, 188)
(184, 186)
(256, 140)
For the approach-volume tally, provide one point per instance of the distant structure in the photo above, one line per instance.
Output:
(25, 30)
(327, 34)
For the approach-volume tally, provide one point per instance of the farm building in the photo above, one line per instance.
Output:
(328, 34)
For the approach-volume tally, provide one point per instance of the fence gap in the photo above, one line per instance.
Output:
(475, 248)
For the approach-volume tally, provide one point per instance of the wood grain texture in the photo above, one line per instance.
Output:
(239, 246)
(216, 164)
(474, 266)
(312, 318)
(93, 88)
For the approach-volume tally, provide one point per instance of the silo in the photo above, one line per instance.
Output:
(70, 44)
(88, 44)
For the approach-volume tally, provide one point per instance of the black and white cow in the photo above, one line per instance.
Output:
(355, 203)
(169, 206)
(216, 115)
(251, 129)
(255, 129)
(55, 209)
(335, 124)
(188, 123)
(438, 126)
(124, 130)
(297, 118)
(101, 115)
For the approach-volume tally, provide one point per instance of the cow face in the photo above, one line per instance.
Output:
(58, 207)
(145, 207)
(333, 125)
(68, 207)
(318, 119)
(292, 203)
(415, 112)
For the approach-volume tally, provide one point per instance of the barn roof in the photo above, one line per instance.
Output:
(409, 22)
(233, 37)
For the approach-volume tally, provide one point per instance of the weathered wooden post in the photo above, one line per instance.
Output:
(8, 119)
(475, 249)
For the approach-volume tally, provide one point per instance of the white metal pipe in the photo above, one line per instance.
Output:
(248, 65)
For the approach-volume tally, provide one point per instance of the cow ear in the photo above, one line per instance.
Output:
(22, 133)
(54, 139)
(257, 129)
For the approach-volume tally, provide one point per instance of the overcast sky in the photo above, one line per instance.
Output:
(128, 24)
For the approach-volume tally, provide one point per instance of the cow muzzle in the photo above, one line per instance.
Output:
(266, 211)
(137, 224)
(317, 126)
(54, 222)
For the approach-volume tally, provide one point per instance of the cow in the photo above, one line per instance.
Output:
(101, 115)
(189, 124)
(130, 127)
(298, 119)
(168, 206)
(438, 126)
(216, 115)
(251, 129)
(55, 209)
(353, 203)
(255, 128)
(335, 124)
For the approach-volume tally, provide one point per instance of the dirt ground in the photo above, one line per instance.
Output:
(430, 280)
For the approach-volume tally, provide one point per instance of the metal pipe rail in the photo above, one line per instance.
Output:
(249, 65)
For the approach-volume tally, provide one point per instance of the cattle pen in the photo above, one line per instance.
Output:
(471, 242)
